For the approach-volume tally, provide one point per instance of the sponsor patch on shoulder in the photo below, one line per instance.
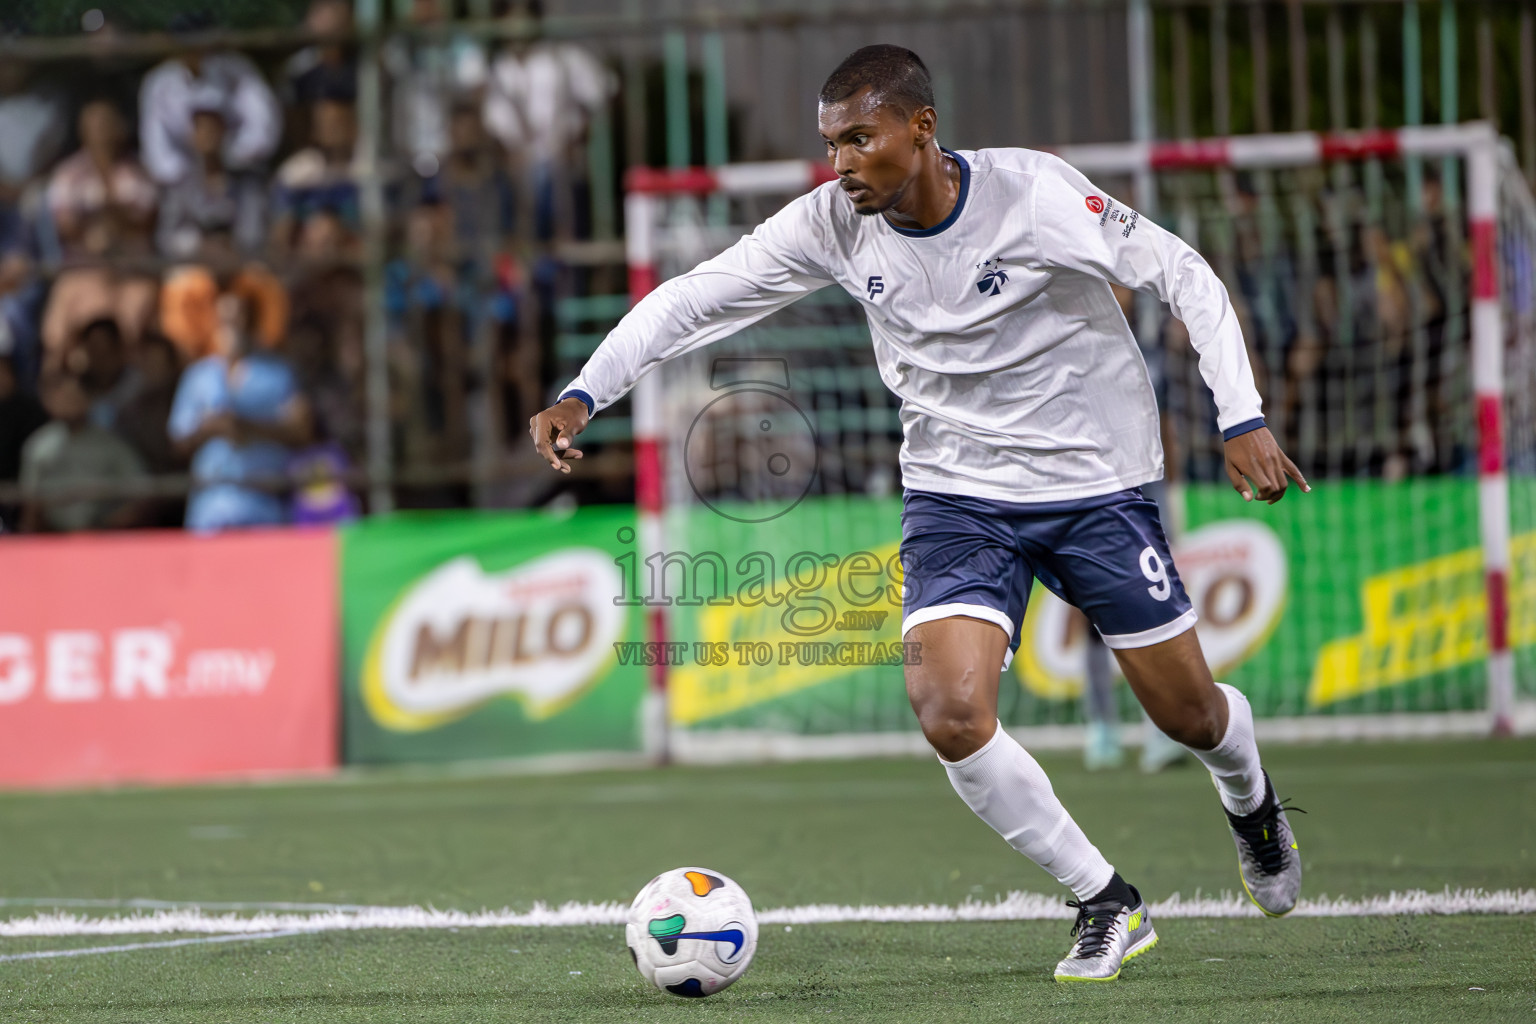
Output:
(1111, 214)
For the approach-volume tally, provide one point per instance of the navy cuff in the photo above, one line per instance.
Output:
(1246, 427)
(586, 400)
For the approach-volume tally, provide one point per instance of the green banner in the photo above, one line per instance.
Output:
(1361, 596)
(487, 635)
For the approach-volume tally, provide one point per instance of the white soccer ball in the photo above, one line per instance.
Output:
(691, 931)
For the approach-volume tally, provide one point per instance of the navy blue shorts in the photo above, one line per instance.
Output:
(1107, 555)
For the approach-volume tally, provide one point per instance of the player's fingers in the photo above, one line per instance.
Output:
(542, 432)
(567, 434)
(1272, 485)
(1295, 474)
(1238, 483)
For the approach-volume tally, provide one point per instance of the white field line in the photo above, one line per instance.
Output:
(1016, 906)
(51, 954)
(148, 904)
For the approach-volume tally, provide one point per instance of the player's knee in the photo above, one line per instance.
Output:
(955, 729)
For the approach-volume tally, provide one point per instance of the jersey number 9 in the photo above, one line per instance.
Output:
(1153, 569)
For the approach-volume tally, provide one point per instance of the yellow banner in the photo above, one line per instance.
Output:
(1425, 618)
(749, 656)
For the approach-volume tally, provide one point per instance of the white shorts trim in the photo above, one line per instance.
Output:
(1155, 635)
(962, 610)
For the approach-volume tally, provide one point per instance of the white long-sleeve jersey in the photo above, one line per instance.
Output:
(1018, 375)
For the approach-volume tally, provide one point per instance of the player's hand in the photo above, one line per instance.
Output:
(1255, 456)
(554, 431)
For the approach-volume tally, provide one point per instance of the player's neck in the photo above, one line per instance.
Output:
(932, 195)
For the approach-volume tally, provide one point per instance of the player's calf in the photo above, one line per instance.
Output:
(1198, 723)
(1269, 861)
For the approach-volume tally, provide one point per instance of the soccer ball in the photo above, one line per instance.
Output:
(691, 931)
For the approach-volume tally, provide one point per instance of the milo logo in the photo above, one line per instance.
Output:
(540, 632)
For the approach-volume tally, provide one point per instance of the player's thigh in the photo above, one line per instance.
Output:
(960, 558)
(1173, 683)
(964, 590)
(952, 679)
(1115, 564)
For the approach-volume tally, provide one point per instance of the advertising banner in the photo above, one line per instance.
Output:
(488, 635)
(166, 656)
(1362, 596)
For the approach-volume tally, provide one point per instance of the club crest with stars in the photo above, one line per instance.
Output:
(994, 276)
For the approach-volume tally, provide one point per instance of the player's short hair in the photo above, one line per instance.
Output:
(896, 74)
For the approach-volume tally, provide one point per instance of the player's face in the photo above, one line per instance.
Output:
(874, 148)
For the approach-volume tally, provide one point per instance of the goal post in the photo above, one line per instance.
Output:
(647, 191)
(1477, 144)
(1394, 645)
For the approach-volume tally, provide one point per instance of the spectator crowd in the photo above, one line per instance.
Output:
(181, 286)
(182, 294)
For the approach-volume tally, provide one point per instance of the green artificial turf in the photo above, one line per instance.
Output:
(1382, 817)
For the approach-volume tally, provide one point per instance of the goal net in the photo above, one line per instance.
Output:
(1385, 286)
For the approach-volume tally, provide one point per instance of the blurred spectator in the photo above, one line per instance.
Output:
(20, 416)
(101, 199)
(102, 205)
(99, 362)
(427, 75)
(422, 297)
(324, 239)
(189, 311)
(320, 493)
(325, 69)
(83, 295)
(540, 98)
(214, 212)
(189, 308)
(320, 179)
(473, 186)
(22, 295)
(224, 83)
(326, 350)
(34, 118)
(72, 452)
(238, 414)
(142, 418)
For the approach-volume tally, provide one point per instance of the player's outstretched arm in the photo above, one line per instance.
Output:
(1256, 457)
(554, 431)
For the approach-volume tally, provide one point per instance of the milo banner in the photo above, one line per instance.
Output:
(1358, 597)
(486, 635)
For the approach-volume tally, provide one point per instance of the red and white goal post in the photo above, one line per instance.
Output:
(650, 204)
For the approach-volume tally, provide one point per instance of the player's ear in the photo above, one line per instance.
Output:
(924, 123)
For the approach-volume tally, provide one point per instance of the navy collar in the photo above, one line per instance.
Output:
(954, 215)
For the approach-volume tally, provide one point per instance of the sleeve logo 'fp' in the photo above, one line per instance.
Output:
(876, 285)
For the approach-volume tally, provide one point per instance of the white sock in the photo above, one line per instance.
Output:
(1009, 791)
(1234, 762)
